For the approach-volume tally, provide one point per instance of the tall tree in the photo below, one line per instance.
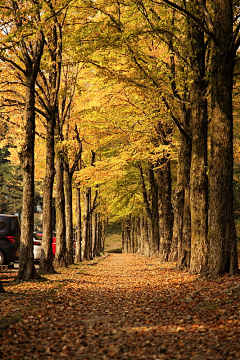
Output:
(47, 96)
(198, 172)
(217, 21)
(26, 51)
(69, 170)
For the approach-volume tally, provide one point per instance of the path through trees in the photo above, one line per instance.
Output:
(123, 306)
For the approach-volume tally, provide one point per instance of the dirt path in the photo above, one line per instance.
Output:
(123, 307)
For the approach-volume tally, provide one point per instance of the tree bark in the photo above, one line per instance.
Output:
(96, 235)
(46, 260)
(68, 214)
(26, 262)
(138, 235)
(32, 65)
(181, 238)
(198, 177)
(182, 215)
(78, 253)
(60, 256)
(151, 205)
(86, 225)
(49, 97)
(163, 174)
(103, 232)
(222, 234)
(126, 231)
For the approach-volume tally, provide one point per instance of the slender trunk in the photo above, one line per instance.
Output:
(46, 260)
(125, 235)
(133, 233)
(60, 256)
(163, 174)
(138, 235)
(95, 236)
(182, 215)
(99, 236)
(86, 222)
(151, 205)
(144, 230)
(142, 235)
(78, 253)
(184, 244)
(26, 262)
(68, 213)
(103, 233)
(180, 246)
(198, 177)
(154, 218)
(90, 227)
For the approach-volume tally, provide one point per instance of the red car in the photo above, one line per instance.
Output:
(53, 244)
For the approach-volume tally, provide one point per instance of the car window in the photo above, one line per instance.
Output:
(2, 225)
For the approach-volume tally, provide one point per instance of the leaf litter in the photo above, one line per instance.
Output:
(124, 307)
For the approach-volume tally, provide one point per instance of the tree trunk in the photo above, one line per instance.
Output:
(26, 262)
(181, 238)
(133, 234)
(144, 239)
(99, 236)
(68, 213)
(182, 215)
(151, 205)
(86, 226)
(103, 233)
(95, 236)
(198, 177)
(163, 175)
(138, 235)
(154, 218)
(222, 234)
(46, 260)
(60, 256)
(78, 253)
(184, 244)
(125, 235)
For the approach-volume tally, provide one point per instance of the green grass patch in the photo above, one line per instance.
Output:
(115, 228)
(116, 251)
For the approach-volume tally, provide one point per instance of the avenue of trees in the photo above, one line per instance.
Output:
(128, 111)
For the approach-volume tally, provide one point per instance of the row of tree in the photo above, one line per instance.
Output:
(128, 100)
(183, 55)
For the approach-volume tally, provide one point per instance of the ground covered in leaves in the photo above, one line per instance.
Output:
(122, 306)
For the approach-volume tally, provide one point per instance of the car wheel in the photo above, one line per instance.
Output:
(2, 258)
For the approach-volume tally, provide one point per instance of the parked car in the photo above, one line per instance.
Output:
(10, 233)
(53, 242)
(37, 246)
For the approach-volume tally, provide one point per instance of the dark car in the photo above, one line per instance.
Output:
(10, 233)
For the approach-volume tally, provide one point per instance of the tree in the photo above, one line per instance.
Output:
(68, 183)
(48, 86)
(23, 52)
(217, 22)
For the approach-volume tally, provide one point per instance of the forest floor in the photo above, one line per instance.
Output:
(121, 306)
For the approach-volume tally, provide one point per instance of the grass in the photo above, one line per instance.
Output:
(113, 241)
